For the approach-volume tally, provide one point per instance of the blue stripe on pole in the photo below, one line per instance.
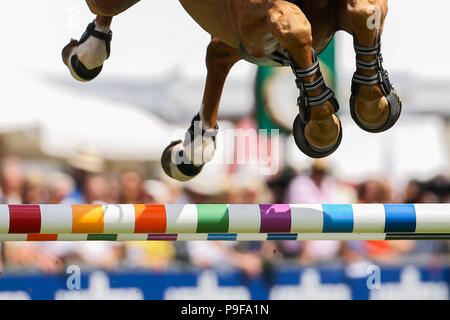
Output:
(337, 218)
(400, 218)
(282, 236)
(222, 236)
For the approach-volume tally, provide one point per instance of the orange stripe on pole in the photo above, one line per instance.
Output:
(42, 237)
(87, 219)
(150, 218)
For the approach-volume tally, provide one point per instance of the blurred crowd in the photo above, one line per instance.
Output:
(84, 179)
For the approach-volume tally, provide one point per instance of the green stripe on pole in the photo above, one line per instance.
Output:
(102, 237)
(212, 218)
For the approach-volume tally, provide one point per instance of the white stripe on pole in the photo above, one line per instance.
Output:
(56, 218)
(432, 218)
(132, 237)
(368, 218)
(72, 237)
(306, 218)
(244, 218)
(341, 236)
(13, 237)
(181, 218)
(192, 237)
(251, 237)
(4, 218)
(119, 218)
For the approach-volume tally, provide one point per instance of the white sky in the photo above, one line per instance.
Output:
(415, 40)
(152, 39)
(149, 40)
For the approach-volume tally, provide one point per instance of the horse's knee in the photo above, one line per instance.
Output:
(289, 24)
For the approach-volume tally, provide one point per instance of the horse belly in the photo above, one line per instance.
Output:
(213, 16)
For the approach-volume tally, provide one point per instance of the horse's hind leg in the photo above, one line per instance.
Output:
(317, 129)
(374, 105)
(85, 58)
(183, 160)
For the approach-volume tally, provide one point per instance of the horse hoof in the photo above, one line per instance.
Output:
(395, 106)
(67, 51)
(176, 165)
(305, 147)
(77, 69)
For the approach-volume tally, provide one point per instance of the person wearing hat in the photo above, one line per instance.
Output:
(85, 163)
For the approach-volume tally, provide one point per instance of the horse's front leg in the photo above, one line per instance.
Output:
(374, 104)
(183, 160)
(85, 57)
(317, 130)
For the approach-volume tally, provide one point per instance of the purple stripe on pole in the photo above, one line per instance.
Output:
(162, 236)
(275, 218)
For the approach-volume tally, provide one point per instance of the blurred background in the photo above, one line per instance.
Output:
(100, 142)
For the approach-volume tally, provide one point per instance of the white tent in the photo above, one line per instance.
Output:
(155, 45)
(66, 121)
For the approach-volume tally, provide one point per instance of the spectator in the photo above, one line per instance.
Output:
(375, 191)
(248, 187)
(34, 188)
(154, 255)
(223, 255)
(11, 181)
(95, 189)
(157, 192)
(100, 254)
(60, 186)
(131, 187)
(28, 255)
(84, 164)
(114, 189)
(317, 186)
(210, 186)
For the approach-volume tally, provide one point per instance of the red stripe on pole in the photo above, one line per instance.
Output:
(24, 219)
(42, 237)
(150, 218)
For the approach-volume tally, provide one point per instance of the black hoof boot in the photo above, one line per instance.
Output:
(78, 70)
(381, 78)
(306, 102)
(174, 161)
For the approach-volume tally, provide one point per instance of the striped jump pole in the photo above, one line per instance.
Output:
(224, 236)
(122, 222)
